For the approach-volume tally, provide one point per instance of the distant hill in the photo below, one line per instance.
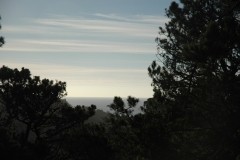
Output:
(98, 117)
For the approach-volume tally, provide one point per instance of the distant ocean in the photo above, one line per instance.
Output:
(100, 102)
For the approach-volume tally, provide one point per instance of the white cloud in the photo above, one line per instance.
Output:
(59, 33)
(147, 19)
(111, 16)
(32, 45)
(128, 29)
(104, 35)
(135, 26)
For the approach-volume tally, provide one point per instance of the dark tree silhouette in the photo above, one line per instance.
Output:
(197, 85)
(1, 38)
(29, 100)
(194, 113)
(37, 124)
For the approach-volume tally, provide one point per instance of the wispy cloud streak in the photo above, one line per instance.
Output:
(97, 33)
(29, 45)
(73, 74)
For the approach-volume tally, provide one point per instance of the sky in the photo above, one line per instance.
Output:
(100, 48)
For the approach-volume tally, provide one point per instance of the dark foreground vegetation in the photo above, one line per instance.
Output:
(193, 114)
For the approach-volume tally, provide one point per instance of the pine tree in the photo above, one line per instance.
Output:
(1, 38)
(197, 84)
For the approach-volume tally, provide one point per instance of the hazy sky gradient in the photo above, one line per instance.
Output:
(101, 48)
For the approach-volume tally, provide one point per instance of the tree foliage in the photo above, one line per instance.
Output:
(194, 113)
(37, 124)
(29, 100)
(1, 38)
(198, 82)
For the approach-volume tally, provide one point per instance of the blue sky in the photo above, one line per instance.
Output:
(101, 48)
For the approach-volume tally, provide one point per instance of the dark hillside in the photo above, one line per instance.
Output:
(98, 117)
